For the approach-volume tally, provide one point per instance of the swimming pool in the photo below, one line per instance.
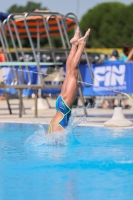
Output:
(90, 163)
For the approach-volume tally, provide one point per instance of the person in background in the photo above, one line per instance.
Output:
(129, 59)
(130, 56)
(2, 56)
(114, 56)
(126, 50)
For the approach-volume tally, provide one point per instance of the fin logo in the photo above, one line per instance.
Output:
(110, 76)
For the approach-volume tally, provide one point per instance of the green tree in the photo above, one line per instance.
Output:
(30, 6)
(110, 23)
(128, 29)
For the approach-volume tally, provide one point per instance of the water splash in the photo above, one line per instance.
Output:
(40, 137)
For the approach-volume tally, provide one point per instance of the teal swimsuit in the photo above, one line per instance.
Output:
(65, 110)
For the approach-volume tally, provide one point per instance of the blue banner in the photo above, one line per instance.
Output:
(108, 76)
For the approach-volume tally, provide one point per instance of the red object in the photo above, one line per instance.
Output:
(1, 59)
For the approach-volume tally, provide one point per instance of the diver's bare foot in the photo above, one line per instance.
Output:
(76, 37)
(85, 37)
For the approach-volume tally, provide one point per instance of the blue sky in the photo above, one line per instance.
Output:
(79, 7)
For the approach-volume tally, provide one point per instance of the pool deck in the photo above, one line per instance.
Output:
(96, 116)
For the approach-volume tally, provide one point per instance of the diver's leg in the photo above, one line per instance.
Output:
(82, 42)
(69, 88)
(74, 42)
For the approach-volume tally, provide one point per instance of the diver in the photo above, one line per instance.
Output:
(69, 88)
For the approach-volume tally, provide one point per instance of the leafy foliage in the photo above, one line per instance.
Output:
(30, 6)
(110, 23)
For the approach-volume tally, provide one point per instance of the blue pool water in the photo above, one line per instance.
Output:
(90, 163)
